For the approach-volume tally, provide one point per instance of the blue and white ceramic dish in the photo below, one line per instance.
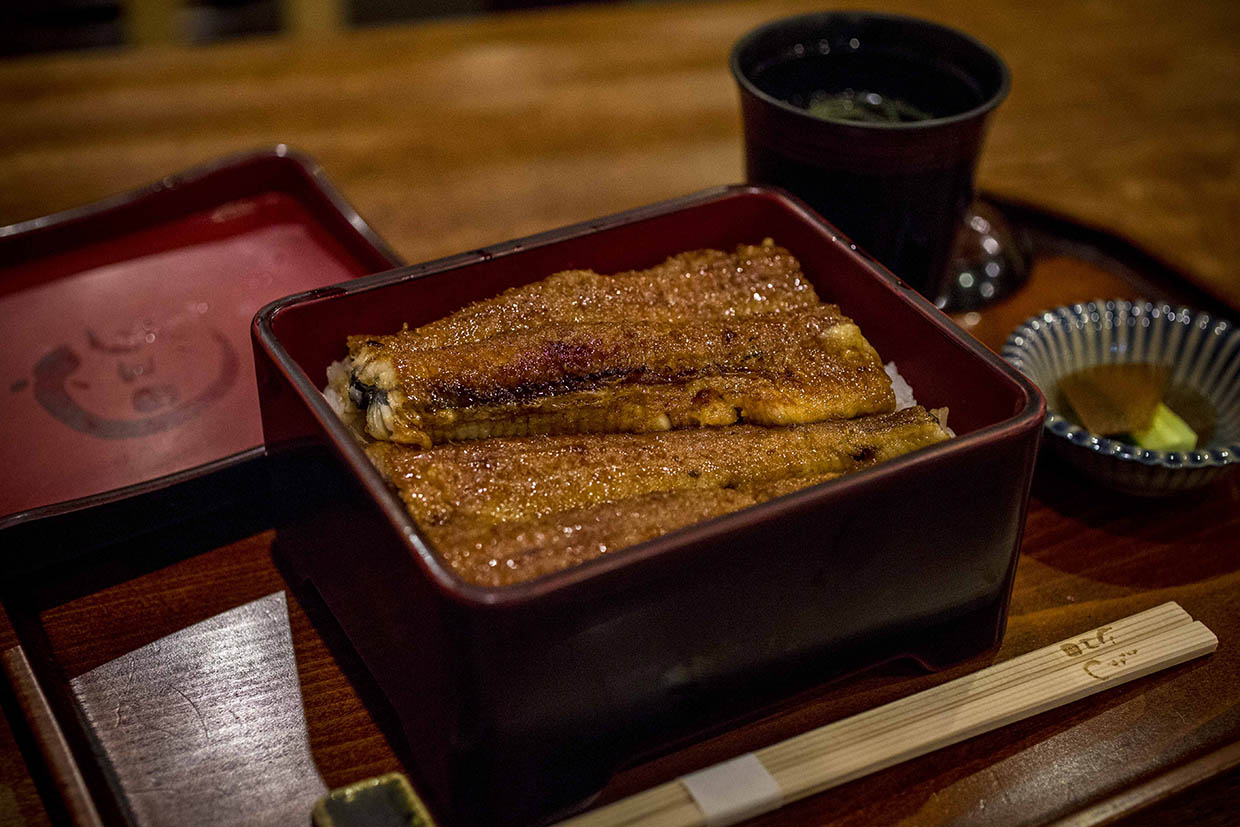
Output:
(1201, 351)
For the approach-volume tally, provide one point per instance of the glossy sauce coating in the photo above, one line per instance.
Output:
(706, 338)
(582, 414)
(495, 480)
(754, 279)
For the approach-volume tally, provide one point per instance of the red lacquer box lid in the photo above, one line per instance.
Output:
(126, 367)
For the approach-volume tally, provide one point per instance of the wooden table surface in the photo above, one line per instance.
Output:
(448, 136)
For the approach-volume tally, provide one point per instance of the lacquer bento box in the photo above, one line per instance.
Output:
(519, 702)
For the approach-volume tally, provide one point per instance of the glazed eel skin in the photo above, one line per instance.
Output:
(506, 510)
(705, 339)
(584, 413)
(705, 284)
(508, 553)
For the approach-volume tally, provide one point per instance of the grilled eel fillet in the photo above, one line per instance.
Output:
(513, 552)
(705, 284)
(767, 369)
(528, 478)
(505, 511)
(698, 284)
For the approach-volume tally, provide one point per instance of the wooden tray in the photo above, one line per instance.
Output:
(1088, 557)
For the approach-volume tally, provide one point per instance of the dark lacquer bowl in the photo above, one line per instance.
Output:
(519, 703)
(1202, 353)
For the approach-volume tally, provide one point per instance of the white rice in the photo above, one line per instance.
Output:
(904, 396)
(903, 391)
(337, 381)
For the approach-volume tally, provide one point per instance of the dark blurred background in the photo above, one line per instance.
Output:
(34, 26)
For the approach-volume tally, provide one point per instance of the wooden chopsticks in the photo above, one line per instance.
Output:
(848, 749)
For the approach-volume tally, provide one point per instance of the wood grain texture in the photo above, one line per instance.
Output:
(344, 738)
(845, 750)
(456, 134)
(206, 726)
(1210, 803)
(19, 798)
(53, 749)
(1218, 766)
(1087, 559)
(452, 135)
